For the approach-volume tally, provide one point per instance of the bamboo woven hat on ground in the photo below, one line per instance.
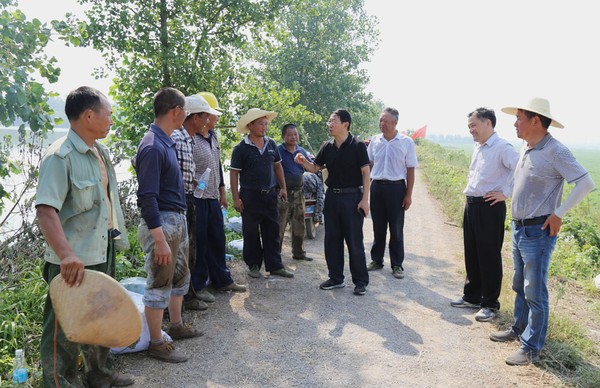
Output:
(537, 105)
(97, 312)
(250, 116)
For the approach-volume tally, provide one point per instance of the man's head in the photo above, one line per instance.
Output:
(339, 122)
(89, 112)
(200, 114)
(533, 118)
(251, 120)
(169, 105)
(388, 120)
(481, 123)
(289, 135)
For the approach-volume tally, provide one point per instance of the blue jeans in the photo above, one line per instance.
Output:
(532, 249)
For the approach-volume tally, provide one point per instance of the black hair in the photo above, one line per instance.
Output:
(81, 99)
(543, 119)
(166, 99)
(286, 127)
(484, 113)
(344, 116)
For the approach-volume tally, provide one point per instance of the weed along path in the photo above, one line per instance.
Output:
(402, 333)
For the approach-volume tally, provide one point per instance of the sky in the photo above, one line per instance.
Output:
(438, 60)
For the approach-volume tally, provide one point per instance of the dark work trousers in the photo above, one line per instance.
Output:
(210, 246)
(190, 217)
(58, 354)
(483, 231)
(260, 221)
(344, 222)
(387, 209)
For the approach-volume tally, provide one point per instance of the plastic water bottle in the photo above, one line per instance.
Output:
(20, 373)
(203, 181)
(225, 214)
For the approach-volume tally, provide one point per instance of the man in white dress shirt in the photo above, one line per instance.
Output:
(393, 160)
(490, 182)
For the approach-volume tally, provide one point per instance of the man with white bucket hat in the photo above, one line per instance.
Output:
(537, 215)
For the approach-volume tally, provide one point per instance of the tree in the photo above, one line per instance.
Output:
(21, 97)
(320, 46)
(188, 44)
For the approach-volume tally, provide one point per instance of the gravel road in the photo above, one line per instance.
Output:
(402, 333)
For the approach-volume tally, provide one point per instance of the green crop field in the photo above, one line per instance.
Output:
(588, 157)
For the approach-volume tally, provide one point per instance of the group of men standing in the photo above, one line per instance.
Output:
(535, 180)
(181, 227)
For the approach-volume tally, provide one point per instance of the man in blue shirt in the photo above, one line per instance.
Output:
(163, 228)
(292, 211)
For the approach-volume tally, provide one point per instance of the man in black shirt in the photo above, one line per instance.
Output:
(256, 167)
(346, 201)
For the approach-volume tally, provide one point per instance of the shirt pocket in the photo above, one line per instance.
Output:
(82, 192)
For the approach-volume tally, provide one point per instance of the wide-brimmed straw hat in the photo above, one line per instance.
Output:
(250, 116)
(97, 312)
(537, 105)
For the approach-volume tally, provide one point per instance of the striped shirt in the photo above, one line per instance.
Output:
(184, 146)
(206, 153)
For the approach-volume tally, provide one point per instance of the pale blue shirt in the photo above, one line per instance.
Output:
(391, 158)
(540, 177)
(492, 167)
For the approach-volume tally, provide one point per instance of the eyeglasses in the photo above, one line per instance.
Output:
(186, 111)
(333, 122)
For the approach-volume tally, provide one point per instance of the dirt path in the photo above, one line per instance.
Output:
(289, 333)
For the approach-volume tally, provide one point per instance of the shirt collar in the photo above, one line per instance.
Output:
(77, 141)
(160, 134)
(249, 142)
(284, 148)
(348, 140)
(491, 140)
(186, 136)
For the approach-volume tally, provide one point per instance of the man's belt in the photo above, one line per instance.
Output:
(179, 211)
(475, 199)
(346, 190)
(261, 191)
(388, 182)
(531, 221)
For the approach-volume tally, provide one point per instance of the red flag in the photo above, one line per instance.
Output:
(421, 132)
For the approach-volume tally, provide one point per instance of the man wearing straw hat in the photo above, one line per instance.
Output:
(79, 213)
(537, 215)
(256, 167)
(163, 227)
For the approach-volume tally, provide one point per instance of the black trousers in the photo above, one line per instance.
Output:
(210, 246)
(387, 210)
(260, 227)
(483, 232)
(343, 222)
